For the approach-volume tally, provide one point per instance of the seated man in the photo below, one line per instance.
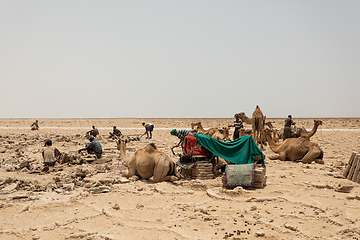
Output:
(93, 132)
(50, 153)
(94, 147)
(35, 125)
(116, 132)
(287, 128)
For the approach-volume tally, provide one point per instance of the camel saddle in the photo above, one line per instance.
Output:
(192, 147)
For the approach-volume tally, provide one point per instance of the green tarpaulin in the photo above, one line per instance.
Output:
(240, 151)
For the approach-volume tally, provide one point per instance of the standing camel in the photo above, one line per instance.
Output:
(258, 124)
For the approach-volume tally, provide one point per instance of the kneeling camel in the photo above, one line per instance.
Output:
(149, 162)
(295, 149)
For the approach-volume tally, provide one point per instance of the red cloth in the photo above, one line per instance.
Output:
(190, 142)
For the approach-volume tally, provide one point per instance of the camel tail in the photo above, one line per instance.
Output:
(172, 170)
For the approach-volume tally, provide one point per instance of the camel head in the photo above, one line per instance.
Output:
(317, 122)
(197, 124)
(121, 144)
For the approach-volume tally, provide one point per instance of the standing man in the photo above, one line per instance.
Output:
(149, 127)
(287, 127)
(238, 124)
(94, 147)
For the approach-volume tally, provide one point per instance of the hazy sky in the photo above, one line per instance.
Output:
(188, 58)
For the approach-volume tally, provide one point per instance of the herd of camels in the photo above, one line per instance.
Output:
(150, 162)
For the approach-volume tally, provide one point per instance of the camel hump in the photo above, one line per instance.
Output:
(150, 148)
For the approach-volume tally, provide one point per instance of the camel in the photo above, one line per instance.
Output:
(295, 149)
(222, 136)
(274, 131)
(311, 133)
(301, 131)
(245, 119)
(257, 123)
(198, 127)
(149, 162)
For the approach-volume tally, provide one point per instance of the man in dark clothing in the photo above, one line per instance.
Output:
(94, 147)
(238, 124)
(116, 132)
(287, 128)
(93, 132)
(35, 125)
(149, 127)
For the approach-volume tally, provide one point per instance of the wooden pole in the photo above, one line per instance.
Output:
(347, 169)
(352, 169)
(357, 168)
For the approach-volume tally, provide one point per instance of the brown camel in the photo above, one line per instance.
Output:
(222, 136)
(245, 119)
(311, 133)
(294, 149)
(199, 129)
(258, 124)
(274, 131)
(301, 131)
(149, 162)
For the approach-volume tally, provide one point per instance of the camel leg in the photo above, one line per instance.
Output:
(311, 155)
(131, 172)
(274, 157)
(162, 168)
(281, 156)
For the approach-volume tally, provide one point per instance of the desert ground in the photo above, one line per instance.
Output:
(91, 200)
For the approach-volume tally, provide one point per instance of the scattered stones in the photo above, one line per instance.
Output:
(344, 188)
(291, 227)
(259, 234)
(214, 194)
(100, 189)
(116, 206)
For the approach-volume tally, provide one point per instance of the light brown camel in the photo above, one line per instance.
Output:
(301, 131)
(255, 125)
(311, 133)
(274, 131)
(148, 162)
(222, 136)
(258, 124)
(245, 119)
(199, 129)
(295, 149)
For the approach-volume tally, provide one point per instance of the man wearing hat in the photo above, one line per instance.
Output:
(181, 134)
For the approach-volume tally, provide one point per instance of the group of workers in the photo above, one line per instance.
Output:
(51, 154)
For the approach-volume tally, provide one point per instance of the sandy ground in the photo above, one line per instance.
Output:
(90, 201)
